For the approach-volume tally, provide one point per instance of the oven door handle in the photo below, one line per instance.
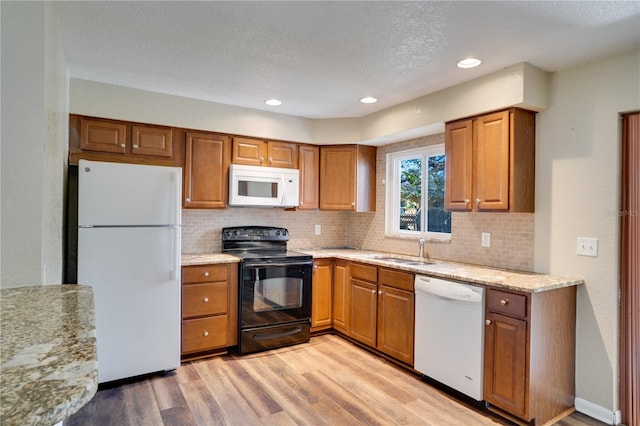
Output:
(267, 336)
(275, 265)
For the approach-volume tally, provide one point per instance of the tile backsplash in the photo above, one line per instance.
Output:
(511, 233)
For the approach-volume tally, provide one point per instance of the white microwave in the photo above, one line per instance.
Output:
(257, 186)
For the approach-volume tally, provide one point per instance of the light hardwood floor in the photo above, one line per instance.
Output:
(328, 381)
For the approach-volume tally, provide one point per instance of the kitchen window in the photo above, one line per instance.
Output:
(415, 194)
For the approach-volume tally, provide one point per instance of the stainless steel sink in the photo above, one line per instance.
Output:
(405, 261)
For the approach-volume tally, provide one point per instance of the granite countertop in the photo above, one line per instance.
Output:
(208, 258)
(49, 368)
(474, 274)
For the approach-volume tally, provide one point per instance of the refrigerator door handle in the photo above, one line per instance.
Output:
(177, 259)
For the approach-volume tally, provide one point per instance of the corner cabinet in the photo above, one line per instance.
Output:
(256, 152)
(491, 162)
(529, 353)
(382, 310)
(348, 178)
(209, 309)
(206, 170)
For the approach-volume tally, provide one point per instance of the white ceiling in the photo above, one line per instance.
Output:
(321, 57)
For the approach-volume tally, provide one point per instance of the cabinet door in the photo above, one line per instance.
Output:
(505, 343)
(309, 161)
(103, 136)
(492, 162)
(321, 295)
(364, 301)
(341, 296)
(282, 154)
(338, 178)
(151, 140)
(459, 153)
(206, 171)
(396, 323)
(249, 151)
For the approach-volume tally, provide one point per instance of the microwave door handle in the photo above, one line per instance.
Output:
(283, 193)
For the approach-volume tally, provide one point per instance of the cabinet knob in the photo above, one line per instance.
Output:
(135, 146)
(467, 201)
(380, 292)
(478, 201)
(205, 300)
(261, 160)
(504, 302)
(123, 145)
(206, 273)
(188, 200)
(353, 204)
(487, 322)
(301, 202)
(206, 333)
(270, 160)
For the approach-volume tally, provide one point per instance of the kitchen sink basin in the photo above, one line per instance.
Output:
(405, 261)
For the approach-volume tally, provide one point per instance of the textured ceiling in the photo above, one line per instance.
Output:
(320, 58)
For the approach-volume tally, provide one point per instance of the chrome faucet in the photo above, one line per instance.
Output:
(421, 242)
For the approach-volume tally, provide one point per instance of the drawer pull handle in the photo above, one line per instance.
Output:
(487, 322)
(504, 302)
(206, 333)
(205, 300)
(206, 274)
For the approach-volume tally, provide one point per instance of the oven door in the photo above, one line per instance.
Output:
(275, 293)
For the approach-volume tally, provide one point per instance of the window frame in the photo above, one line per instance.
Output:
(392, 201)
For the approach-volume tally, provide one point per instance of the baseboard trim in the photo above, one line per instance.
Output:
(598, 412)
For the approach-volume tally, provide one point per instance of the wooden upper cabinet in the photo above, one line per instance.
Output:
(348, 178)
(151, 140)
(206, 170)
(491, 162)
(459, 154)
(256, 152)
(103, 136)
(100, 139)
(309, 162)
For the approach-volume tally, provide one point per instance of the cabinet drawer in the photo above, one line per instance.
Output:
(363, 272)
(204, 299)
(204, 333)
(507, 303)
(397, 279)
(204, 273)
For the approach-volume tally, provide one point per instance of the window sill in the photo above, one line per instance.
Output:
(427, 238)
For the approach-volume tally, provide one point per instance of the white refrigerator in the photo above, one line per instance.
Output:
(129, 251)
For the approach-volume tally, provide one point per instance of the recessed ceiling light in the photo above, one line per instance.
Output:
(469, 63)
(273, 102)
(369, 100)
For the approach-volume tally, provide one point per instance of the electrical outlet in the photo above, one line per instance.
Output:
(587, 247)
(486, 239)
(318, 229)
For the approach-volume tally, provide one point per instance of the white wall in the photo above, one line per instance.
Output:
(34, 144)
(578, 195)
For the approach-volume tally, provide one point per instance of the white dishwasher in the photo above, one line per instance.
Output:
(449, 333)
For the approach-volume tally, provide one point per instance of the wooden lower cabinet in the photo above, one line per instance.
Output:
(341, 296)
(322, 295)
(529, 353)
(209, 308)
(382, 310)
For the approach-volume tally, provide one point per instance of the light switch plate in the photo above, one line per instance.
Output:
(318, 229)
(486, 239)
(587, 247)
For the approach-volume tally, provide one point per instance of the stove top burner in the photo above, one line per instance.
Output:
(260, 243)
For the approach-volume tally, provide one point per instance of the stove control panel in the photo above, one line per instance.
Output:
(255, 233)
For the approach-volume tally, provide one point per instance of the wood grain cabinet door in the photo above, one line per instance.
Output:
(282, 154)
(459, 174)
(206, 170)
(151, 140)
(505, 360)
(364, 312)
(492, 162)
(321, 306)
(338, 178)
(251, 152)
(395, 323)
(341, 296)
(103, 136)
(309, 162)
